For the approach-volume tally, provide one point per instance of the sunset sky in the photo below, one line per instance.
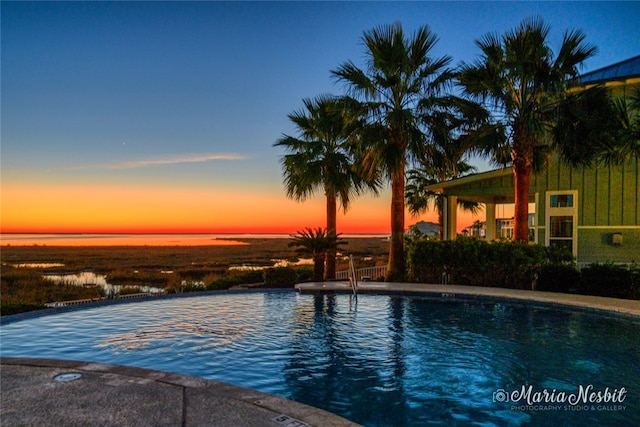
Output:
(161, 116)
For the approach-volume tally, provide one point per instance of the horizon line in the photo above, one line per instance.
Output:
(176, 232)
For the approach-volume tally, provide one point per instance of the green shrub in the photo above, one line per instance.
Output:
(558, 278)
(254, 276)
(280, 277)
(304, 274)
(224, 282)
(196, 272)
(426, 261)
(475, 262)
(138, 278)
(609, 280)
(9, 309)
(235, 278)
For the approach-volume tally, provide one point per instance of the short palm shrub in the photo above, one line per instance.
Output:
(317, 243)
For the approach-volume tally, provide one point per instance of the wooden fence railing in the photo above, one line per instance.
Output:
(363, 274)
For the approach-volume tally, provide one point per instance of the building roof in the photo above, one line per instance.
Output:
(495, 186)
(627, 69)
(474, 177)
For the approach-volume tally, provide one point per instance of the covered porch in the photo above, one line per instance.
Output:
(490, 188)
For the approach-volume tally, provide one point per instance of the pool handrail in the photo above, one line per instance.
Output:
(353, 279)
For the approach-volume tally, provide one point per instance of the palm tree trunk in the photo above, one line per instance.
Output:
(318, 267)
(521, 176)
(395, 270)
(522, 153)
(330, 268)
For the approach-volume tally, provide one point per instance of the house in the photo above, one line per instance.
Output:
(427, 229)
(594, 212)
(477, 229)
(503, 228)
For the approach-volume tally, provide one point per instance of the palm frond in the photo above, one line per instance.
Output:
(322, 156)
(520, 81)
(316, 241)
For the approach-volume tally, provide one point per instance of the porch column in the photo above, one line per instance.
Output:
(451, 218)
(490, 209)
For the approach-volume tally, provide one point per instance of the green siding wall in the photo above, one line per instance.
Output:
(500, 186)
(630, 190)
(587, 207)
(594, 245)
(608, 201)
(607, 195)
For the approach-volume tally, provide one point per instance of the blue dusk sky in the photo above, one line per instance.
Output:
(161, 116)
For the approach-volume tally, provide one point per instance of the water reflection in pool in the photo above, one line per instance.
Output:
(388, 361)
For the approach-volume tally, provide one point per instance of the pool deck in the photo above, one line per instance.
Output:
(112, 395)
(610, 305)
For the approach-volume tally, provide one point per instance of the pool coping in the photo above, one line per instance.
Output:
(600, 305)
(33, 393)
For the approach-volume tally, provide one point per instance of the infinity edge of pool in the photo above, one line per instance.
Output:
(613, 307)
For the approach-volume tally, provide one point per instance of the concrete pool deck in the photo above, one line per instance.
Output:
(113, 395)
(611, 305)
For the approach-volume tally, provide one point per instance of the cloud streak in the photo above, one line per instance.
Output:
(168, 160)
(172, 160)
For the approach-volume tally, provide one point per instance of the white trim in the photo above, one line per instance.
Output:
(571, 211)
(536, 218)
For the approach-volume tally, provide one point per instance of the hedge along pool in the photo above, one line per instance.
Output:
(383, 361)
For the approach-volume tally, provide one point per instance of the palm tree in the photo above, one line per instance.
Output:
(400, 77)
(627, 141)
(317, 243)
(527, 88)
(448, 146)
(419, 200)
(320, 159)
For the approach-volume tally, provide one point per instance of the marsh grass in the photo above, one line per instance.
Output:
(23, 289)
(169, 267)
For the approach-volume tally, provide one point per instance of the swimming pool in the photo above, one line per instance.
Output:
(385, 361)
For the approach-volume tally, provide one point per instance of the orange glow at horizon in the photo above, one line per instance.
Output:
(146, 209)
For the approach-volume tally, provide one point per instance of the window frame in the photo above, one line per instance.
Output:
(567, 211)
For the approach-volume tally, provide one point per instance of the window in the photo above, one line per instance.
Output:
(562, 217)
(561, 226)
(561, 201)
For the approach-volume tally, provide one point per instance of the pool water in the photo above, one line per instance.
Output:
(383, 361)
